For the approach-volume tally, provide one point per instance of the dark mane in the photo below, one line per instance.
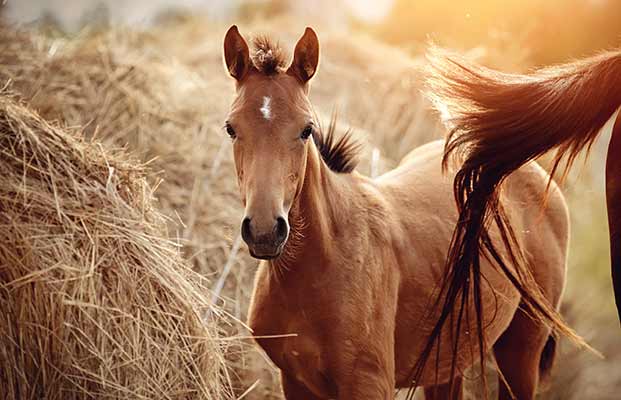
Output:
(268, 57)
(339, 154)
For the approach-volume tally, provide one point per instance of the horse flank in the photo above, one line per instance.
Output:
(498, 122)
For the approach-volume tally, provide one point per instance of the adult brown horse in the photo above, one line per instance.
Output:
(353, 264)
(499, 122)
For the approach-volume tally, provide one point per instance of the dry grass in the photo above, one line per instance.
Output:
(96, 304)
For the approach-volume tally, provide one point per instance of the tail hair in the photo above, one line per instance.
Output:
(498, 122)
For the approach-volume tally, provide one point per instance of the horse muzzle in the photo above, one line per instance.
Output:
(265, 244)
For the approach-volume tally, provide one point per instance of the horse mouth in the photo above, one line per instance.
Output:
(266, 253)
(265, 256)
(261, 256)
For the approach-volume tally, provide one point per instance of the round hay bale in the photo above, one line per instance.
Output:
(96, 302)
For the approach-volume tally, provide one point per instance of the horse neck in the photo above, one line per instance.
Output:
(319, 209)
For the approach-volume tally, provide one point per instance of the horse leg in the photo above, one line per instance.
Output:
(370, 376)
(294, 390)
(442, 392)
(365, 389)
(518, 354)
(613, 200)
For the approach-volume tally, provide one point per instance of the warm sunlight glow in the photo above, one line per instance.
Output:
(370, 10)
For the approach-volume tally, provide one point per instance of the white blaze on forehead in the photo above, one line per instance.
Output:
(266, 108)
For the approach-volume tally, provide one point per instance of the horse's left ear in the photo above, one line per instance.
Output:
(305, 57)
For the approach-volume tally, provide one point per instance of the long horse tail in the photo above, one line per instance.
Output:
(498, 122)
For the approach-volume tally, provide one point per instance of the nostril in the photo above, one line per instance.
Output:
(245, 230)
(282, 229)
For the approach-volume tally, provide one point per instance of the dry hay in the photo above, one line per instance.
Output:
(95, 303)
(128, 94)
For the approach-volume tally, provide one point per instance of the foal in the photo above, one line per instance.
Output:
(353, 264)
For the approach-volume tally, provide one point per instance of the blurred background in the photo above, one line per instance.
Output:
(549, 31)
(372, 52)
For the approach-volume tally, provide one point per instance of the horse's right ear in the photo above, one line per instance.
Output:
(236, 54)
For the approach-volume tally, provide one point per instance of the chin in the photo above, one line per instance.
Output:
(266, 256)
(266, 252)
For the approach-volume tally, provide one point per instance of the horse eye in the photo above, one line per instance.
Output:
(230, 131)
(306, 132)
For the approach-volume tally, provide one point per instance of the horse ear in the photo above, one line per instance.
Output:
(236, 53)
(305, 56)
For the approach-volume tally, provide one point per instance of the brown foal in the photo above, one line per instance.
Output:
(352, 265)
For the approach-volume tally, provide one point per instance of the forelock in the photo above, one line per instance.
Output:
(268, 57)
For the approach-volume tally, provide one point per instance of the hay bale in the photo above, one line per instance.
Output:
(124, 91)
(95, 302)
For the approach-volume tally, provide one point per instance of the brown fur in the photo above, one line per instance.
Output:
(500, 122)
(365, 259)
